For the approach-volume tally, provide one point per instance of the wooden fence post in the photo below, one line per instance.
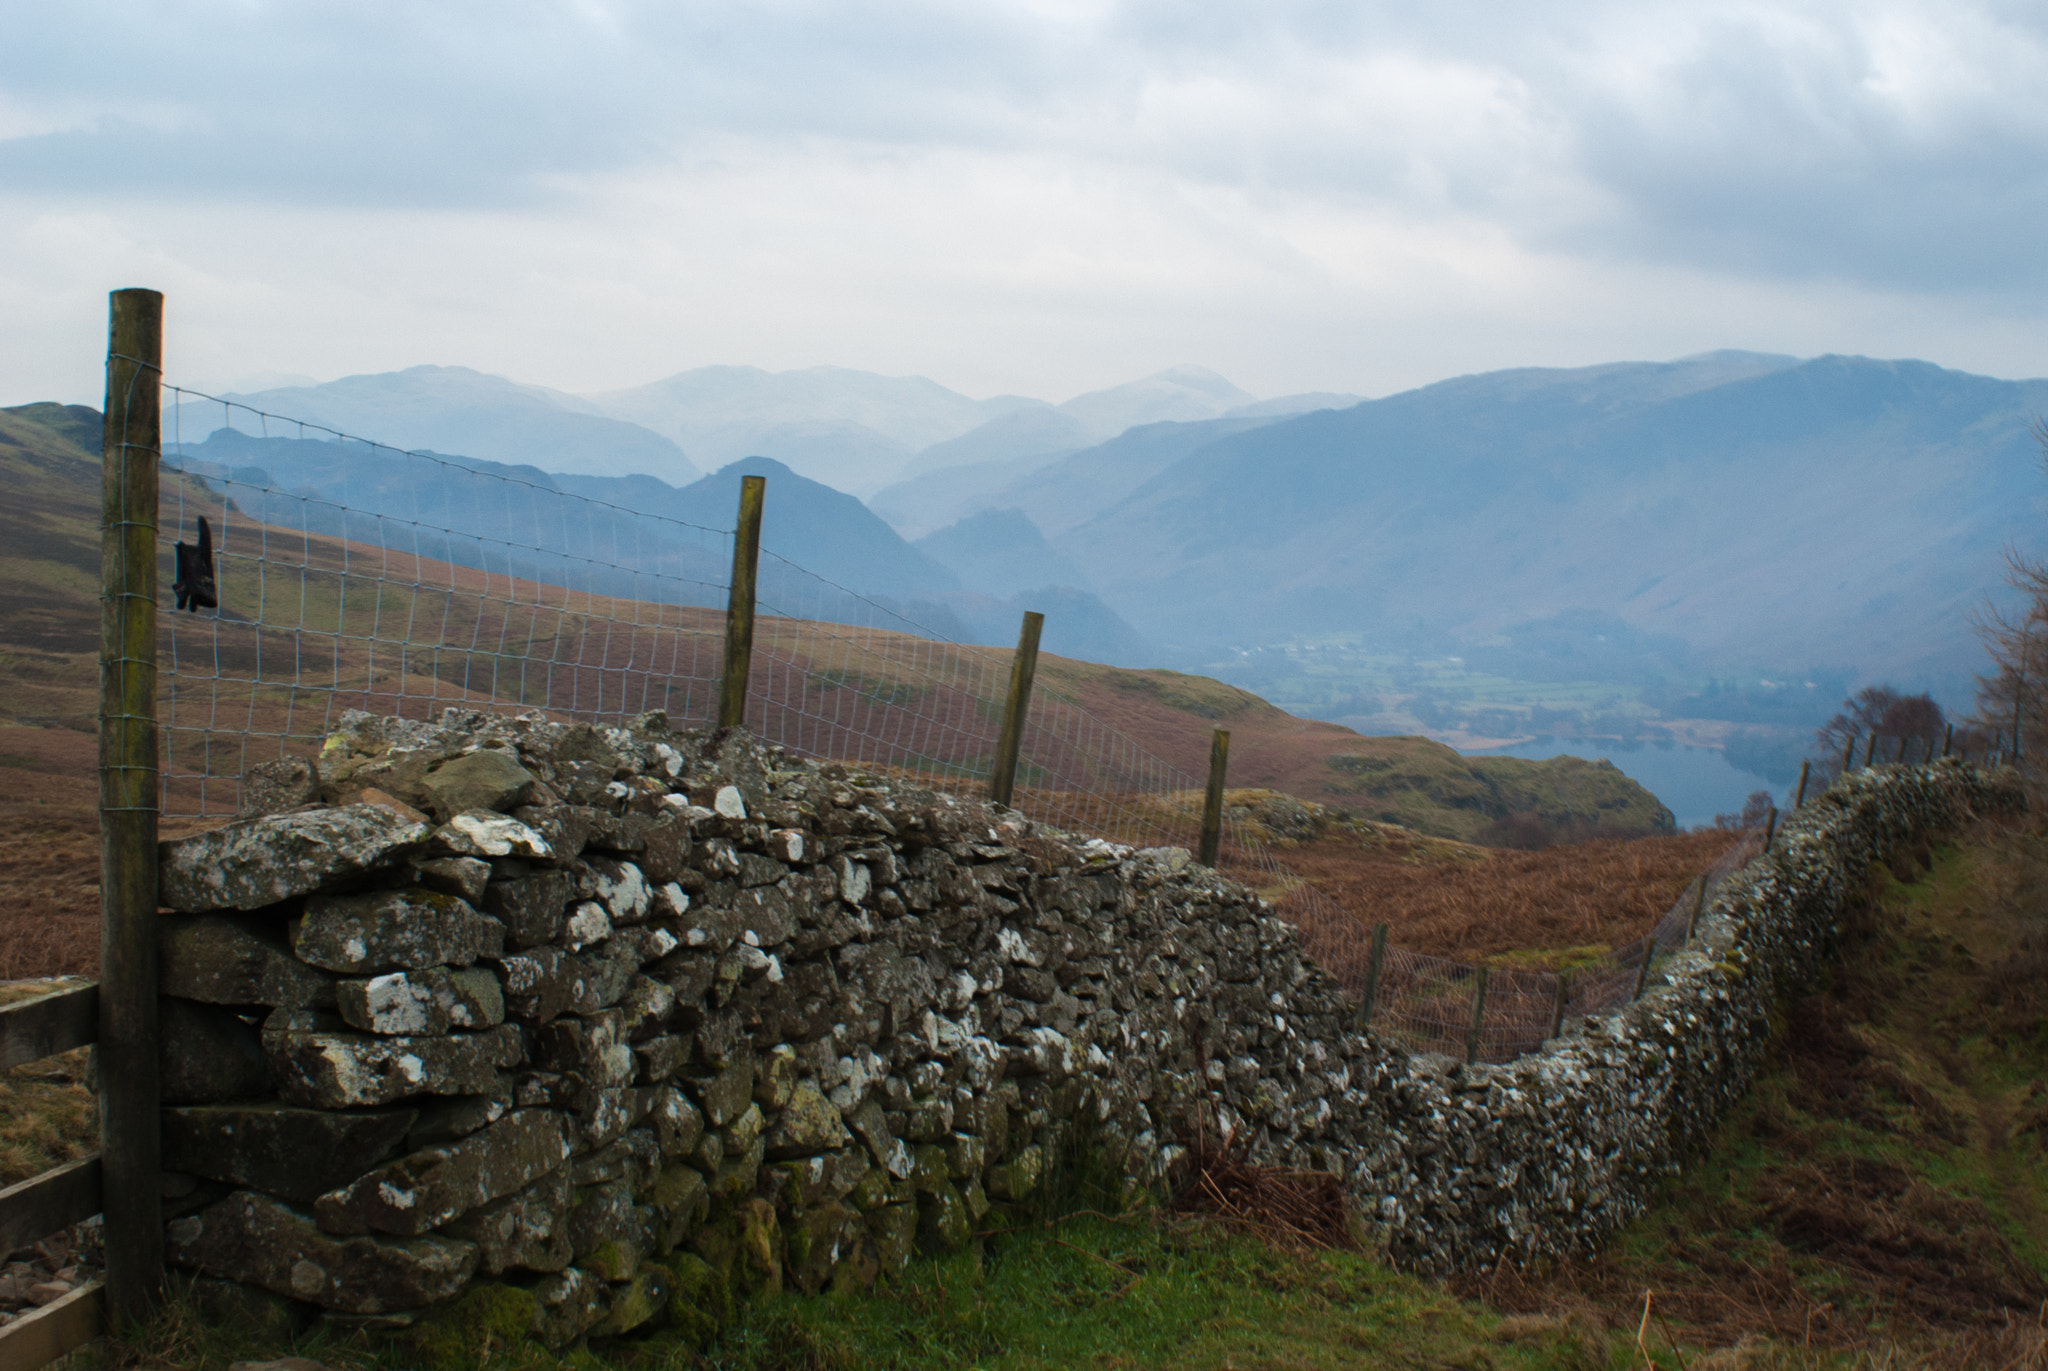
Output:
(1374, 962)
(1869, 751)
(1002, 781)
(129, 1087)
(1478, 1015)
(1799, 795)
(1564, 992)
(1212, 803)
(739, 605)
(1699, 906)
(1770, 827)
(1948, 742)
(1643, 971)
(1848, 754)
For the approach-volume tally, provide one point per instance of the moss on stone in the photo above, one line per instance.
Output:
(486, 1316)
(699, 1299)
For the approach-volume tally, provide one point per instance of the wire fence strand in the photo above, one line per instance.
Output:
(354, 574)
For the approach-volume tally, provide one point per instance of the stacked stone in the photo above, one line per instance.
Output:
(634, 1019)
(613, 1026)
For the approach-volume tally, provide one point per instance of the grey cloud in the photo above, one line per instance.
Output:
(1717, 135)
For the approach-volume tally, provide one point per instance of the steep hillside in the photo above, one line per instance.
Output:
(1883, 1188)
(1057, 492)
(1765, 511)
(999, 551)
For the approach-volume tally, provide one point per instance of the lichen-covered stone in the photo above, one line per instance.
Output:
(396, 1002)
(277, 786)
(680, 1200)
(678, 1124)
(572, 1302)
(425, 1190)
(393, 930)
(634, 1303)
(485, 779)
(462, 877)
(527, 1231)
(893, 1229)
(294, 1154)
(609, 1232)
(261, 1241)
(256, 863)
(726, 1095)
(775, 1077)
(532, 908)
(480, 833)
(813, 1241)
(760, 1248)
(1015, 1179)
(235, 959)
(430, 1001)
(808, 1124)
(346, 1070)
(589, 1047)
(445, 1118)
(943, 1223)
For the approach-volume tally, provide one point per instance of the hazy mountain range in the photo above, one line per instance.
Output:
(1764, 510)
(1739, 510)
(852, 430)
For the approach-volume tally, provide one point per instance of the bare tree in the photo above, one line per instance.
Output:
(1755, 810)
(1913, 724)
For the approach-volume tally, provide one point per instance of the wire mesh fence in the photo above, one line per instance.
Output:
(353, 574)
(356, 575)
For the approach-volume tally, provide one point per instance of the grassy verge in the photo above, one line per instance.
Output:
(1086, 1292)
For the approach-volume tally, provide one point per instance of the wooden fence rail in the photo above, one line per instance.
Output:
(58, 1198)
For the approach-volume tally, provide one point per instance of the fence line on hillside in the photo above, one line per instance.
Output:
(405, 582)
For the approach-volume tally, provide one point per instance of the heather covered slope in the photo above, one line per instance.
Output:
(1414, 782)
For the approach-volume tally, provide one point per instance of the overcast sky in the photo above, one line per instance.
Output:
(1041, 198)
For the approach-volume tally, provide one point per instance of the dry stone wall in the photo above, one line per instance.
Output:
(602, 1029)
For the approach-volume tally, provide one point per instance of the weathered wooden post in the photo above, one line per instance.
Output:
(1643, 971)
(1375, 961)
(1002, 781)
(739, 605)
(1699, 907)
(1557, 1003)
(1478, 1014)
(1848, 754)
(1799, 795)
(1869, 751)
(129, 1089)
(1212, 802)
(1948, 741)
(1770, 827)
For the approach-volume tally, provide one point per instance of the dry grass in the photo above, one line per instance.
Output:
(1292, 1210)
(1536, 910)
(49, 897)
